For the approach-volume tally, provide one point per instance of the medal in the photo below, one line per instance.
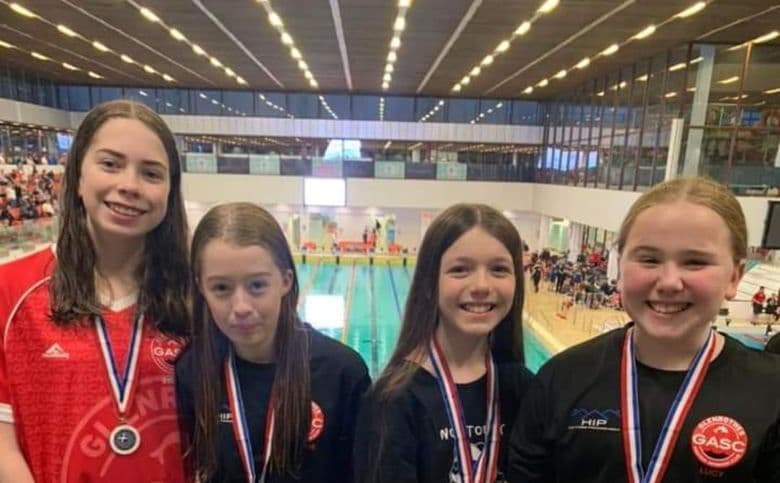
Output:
(124, 439)
(629, 411)
(241, 427)
(485, 468)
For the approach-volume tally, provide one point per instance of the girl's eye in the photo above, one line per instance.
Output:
(154, 175)
(648, 260)
(220, 288)
(109, 163)
(257, 286)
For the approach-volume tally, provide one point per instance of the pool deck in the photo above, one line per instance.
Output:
(558, 330)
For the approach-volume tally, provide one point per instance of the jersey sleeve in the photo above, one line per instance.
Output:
(531, 443)
(355, 384)
(386, 444)
(769, 461)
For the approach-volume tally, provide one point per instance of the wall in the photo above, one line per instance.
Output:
(26, 113)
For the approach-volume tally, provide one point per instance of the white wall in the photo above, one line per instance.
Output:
(26, 113)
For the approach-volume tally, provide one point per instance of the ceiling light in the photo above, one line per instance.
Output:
(499, 105)
(99, 46)
(583, 63)
(523, 28)
(307, 75)
(229, 72)
(94, 76)
(6, 45)
(392, 57)
(441, 102)
(39, 56)
(465, 81)
(69, 66)
(385, 85)
(295, 53)
(198, 49)
(126, 58)
(168, 78)
(548, 6)
(561, 74)
(22, 11)
(404, 3)
(528, 90)
(646, 32)
(600, 94)
(303, 66)
(542, 83)
(149, 69)
(395, 42)
(475, 71)
(773, 91)
(400, 24)
(456, 88)
(240, 80)
(275, 20)
(669, 95)
(487, 60)
(286, 39)
(691, 89)
(150, 16)
(65, 30)
(610, 50)
(697, 60)
(642, 78)
(177, 35)
(215, 62)
(387, 77)
(766, 38)
(503, 46)
(677, 67)
(692, 10)
(313, 83)
(729, 80)
(389, 68)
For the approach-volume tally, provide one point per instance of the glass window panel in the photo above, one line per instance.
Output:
(79, 98)
(494, 111)
(172, 101)
(525, 113)
(365, 108)
(399, 109)
(208, 102)
(144, 95)
(237, 103)
(337, 104)
(429, 109)
(303, 105)
(271, 104)
(462, 110)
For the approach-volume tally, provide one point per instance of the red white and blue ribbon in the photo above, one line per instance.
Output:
(483, 470)
(122, 387)
(675, 417)
(241, 427)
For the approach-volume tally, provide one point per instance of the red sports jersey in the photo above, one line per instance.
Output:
(54, 387)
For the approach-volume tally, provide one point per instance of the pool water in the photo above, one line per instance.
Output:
(362, 306)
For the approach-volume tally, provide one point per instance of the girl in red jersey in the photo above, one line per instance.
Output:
(455, 379)
(666, 398)
(86, 380)
(262, 395)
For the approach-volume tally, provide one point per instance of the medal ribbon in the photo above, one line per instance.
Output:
(484, 470)
(241, 427)
(122, 387)
(675, 417)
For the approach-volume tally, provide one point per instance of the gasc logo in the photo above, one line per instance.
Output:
(719, 442)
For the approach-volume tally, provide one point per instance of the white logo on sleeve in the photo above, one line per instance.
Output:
(56, 352)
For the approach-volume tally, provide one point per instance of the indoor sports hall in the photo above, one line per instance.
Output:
(356, 122)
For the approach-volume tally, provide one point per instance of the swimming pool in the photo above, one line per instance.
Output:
(362, 306)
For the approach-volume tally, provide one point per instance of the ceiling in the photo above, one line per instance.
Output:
(345, 43)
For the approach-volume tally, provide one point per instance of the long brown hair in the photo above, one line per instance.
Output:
(422, 310)
(162, 275)
(245, 224)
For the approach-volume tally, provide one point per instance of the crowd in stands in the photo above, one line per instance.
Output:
(583, 281)
(28, 194)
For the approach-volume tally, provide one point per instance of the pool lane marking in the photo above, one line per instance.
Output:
(395, 291)
(374, 342)
(348, 304)
(309, 283)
